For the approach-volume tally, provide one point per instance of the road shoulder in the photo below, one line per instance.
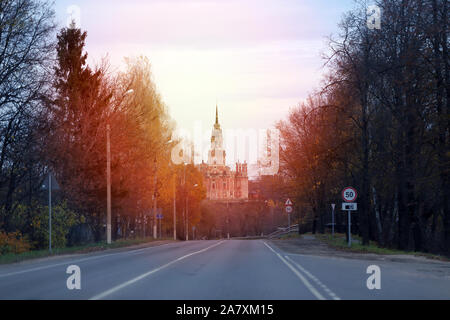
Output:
(89, 252)
(310, 245)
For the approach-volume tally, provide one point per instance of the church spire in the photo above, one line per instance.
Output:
(217, 125)
(217, 114)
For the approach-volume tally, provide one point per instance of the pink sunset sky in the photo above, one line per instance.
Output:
(257, 58)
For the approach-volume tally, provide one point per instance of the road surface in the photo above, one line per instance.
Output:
(220, 270)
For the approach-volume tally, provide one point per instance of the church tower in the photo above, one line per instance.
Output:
(221, 182)
(217, 154)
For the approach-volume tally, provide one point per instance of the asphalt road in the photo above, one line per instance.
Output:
(222, 270)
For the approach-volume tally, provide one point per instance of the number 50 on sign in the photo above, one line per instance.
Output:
(349, 194)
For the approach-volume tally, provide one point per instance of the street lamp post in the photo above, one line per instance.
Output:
(174, 207)
(155, 226)
(186, 231)
(145, 223)
(187, 217)
(186, 204)
(228, 221)
(160, 228)
(108, 182)
(50, 212)
(108, 177)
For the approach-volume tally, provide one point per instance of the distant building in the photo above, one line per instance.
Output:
(254, 192)
(221, 182)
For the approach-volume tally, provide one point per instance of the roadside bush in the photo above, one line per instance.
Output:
(13, 242)
(18, 218)
(63, 219)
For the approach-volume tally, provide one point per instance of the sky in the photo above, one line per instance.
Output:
(256, 58)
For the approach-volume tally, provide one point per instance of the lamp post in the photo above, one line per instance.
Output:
(155, 204)
(228, 221)
(50, 212)
(108, 183)
(174, 207)
(174, 198)
(108, 177)
(187, 217)
(155, 181)
(186, 231)
(186, 192)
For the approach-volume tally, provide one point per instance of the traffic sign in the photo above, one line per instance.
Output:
(159, 216)
(54, 184)
(288, 203)
(349, 194)
(289, 209)
(349, 206)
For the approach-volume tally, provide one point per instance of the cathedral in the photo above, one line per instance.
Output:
(221, 182)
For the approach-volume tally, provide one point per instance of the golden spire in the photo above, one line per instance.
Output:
(217, 125)
(217, 114)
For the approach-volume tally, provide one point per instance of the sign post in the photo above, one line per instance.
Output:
(289, 210)
(50, 184)
(160, 216)
(289, 222)
(349, 229)
(333, 206)
(145, 223)
(349, 195)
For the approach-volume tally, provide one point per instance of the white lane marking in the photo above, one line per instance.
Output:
(315, 279)
(142, 276)
(305, 281)
(133, 252)
(77, 261)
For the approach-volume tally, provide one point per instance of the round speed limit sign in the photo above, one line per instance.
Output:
(349, 194)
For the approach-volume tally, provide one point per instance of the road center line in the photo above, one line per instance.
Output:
(315, 279)
(305, 281)
(142, 276)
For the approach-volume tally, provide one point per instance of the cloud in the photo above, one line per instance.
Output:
(200, 24)
(258, 58)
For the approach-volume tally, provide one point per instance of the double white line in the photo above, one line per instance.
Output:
(297, 269)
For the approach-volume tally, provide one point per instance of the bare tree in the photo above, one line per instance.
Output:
(26, 49)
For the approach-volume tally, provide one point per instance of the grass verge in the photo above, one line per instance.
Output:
(92, 247)
(290, 236)
(339, 242)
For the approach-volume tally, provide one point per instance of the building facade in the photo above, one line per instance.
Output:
(221, 182)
